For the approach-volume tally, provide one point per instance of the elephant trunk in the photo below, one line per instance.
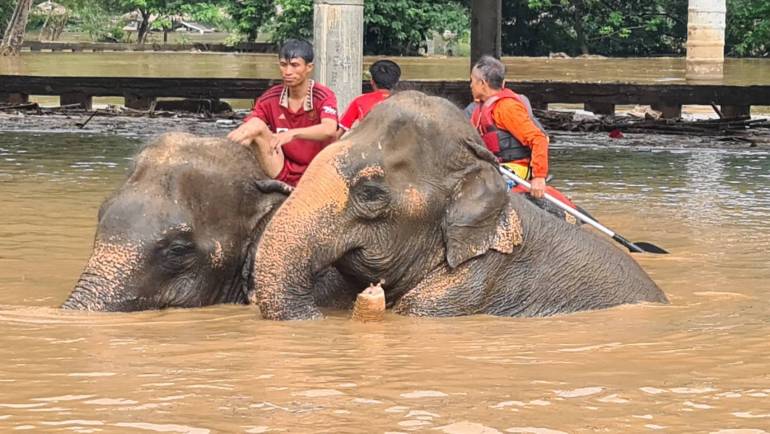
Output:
(103, 284)
(86, 295)
(300, 242)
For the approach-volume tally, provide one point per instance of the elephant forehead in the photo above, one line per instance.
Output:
(181, 227)
(371, 171)
(322, 185)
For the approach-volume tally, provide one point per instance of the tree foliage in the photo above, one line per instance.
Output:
(400, 26)
(396, 27)
(248, 16)
(748, 28)
(610, 27)
(6, 10)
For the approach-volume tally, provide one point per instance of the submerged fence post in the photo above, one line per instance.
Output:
(338, 41)
(705, 39)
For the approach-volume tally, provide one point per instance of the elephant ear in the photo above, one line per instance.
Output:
(479, 216)
(264, 196)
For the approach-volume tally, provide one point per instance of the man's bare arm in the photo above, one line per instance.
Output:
(326, 130)
(248, 131)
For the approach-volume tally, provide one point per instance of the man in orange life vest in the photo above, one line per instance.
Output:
(506, 124)
(291, 122)
(385, 75)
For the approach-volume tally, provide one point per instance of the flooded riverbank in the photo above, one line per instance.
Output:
(235, 65)
(697, 365)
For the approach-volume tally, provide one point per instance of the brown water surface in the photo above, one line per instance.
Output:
(699, 364)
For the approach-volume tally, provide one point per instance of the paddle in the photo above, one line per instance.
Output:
(637, 247)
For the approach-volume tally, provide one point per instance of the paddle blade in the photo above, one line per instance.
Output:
(651, 248)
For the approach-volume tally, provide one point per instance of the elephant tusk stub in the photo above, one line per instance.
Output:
(370, 304)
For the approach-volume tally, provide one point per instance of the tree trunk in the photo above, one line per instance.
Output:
(14, 33)
(579, 30)
(144, 27)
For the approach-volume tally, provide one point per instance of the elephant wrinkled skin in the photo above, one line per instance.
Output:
(181, 230)
(413, 198)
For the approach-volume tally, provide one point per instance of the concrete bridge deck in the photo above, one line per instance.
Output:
(140, 92)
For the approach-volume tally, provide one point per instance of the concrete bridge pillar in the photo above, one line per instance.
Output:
(338, 41)
(706, 39)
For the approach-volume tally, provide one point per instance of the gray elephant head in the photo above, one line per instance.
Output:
(413, 198)
(180, 230)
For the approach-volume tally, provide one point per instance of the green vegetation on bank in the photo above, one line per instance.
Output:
(401, 27)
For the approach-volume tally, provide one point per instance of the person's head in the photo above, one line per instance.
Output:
(385, 74)
(295, 58)
(487, 77)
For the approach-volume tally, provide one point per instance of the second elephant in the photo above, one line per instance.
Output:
(413, 198)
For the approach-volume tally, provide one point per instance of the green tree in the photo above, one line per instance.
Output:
(97, 18)
(249, 16)
(396, 27)
(613, 27)
(294, 19)
(6, 9)
(748, 28)
(163, 8)
(212, 13)
(13, 36)
(399, 27)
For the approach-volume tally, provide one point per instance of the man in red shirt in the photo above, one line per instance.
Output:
(385, 75)
(293, 121)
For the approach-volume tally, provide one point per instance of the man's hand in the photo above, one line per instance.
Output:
(247, 132)
(281, 139)
(538, 188)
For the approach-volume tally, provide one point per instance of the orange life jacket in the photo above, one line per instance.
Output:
(499, 141)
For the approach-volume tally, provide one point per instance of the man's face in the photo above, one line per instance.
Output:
(295, 70)
(479, 87)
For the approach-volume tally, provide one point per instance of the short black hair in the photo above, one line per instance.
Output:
(385, 73)
(296, 48)
(491, 70)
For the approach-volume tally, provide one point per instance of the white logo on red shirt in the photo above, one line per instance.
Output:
(329, 110)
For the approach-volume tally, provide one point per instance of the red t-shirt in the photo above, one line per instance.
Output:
(273, 108)
(360, 106)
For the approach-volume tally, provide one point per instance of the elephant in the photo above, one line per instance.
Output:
(412, 198)
(181, 230)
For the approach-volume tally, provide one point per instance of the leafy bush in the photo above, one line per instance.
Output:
(748, 28)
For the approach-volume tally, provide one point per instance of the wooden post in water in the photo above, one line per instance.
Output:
(338, 41)
(705, 39)
(486, 21)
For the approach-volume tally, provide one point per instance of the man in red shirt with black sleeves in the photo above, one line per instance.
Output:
(293, 121)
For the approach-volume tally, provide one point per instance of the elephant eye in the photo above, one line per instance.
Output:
(371, 199)
(176, 255)
(179, 248)
(372, 193)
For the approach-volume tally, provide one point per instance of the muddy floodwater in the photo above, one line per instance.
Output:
(183, 64)
(700, 364)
